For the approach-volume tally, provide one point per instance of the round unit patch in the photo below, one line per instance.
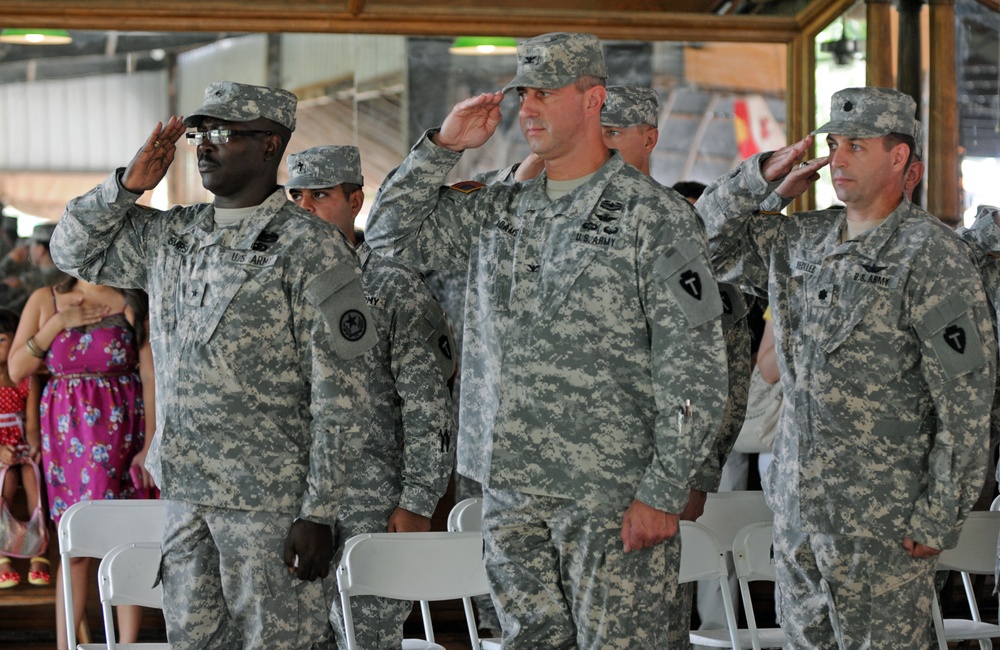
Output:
(353, 325)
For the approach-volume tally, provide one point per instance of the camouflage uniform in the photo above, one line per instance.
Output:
(631, 106)
(589, 321)
(887, 360)
(259, 332)
(984, 237)
(408, 455)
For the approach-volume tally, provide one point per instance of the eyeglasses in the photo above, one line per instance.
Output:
(219, 136)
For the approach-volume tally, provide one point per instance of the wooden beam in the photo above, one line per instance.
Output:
(410, 19)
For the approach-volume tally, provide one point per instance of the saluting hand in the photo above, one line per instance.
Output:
(781, 162)
(801, 177)
(150, 164)
(470, 123)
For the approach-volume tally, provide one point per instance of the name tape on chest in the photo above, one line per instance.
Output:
(246, 258)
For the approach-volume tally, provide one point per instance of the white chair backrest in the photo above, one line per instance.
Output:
(466, 516)
(128, 576)
(727, 512)
(701, 554)
(412, 566)
(753, 552)
(93, 528)
(977, 545)
(975, 553)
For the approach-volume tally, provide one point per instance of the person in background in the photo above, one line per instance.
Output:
(628, 121)
(887, 359)
(591, 390)
(97, 408)
(261, 336)
(29, 268)
(408, 454)
(20, 449)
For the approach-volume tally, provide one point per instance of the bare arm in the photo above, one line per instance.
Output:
(149, 408)
(32, 426)
(767, 359)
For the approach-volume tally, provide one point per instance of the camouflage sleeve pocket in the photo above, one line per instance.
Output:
(688, 277)
(337, 295)
(951, 333)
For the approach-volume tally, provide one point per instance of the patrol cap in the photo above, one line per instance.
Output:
(236, 102)
(321, 167)
(628, 106)
(870, 112)
(558, 59)
(42, 233)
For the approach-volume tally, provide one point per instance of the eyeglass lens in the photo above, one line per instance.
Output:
(219, 136)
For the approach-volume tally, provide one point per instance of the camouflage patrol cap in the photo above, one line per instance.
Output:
(870, 112)
(558, 59)
(236, 102)
(628, 106)
(322, 167)
(42, 233)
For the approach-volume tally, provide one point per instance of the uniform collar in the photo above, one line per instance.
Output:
(203, 227)
(581, 200)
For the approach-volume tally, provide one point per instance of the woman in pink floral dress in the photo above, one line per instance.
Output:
(91, 340)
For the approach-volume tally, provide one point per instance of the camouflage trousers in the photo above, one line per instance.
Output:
(847, 592)
(378, 622)
(561, 579)
(486, 613)
(226, 586)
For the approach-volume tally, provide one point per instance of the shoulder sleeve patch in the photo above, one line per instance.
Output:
(951, 333)
(467, 187)
(440, 339)
(688, 278)
(336, 293)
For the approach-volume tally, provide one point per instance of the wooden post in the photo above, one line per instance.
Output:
(909, 61)
(944, 198)
(878, 56)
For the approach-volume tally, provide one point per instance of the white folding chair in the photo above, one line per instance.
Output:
(92, 529)
(754, 560)
(975, 554)
(128, 576)
(413, 566)
(703, 558)
(467, 516)
(727, 512)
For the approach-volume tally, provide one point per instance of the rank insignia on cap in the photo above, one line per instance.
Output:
(848, 107)
(468, 187)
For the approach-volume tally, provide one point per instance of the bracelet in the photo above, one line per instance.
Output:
(33, 348)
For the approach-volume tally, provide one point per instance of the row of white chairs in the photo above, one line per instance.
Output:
(444, 566)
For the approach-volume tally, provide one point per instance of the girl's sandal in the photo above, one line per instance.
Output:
(8, 577)
(40, 578)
